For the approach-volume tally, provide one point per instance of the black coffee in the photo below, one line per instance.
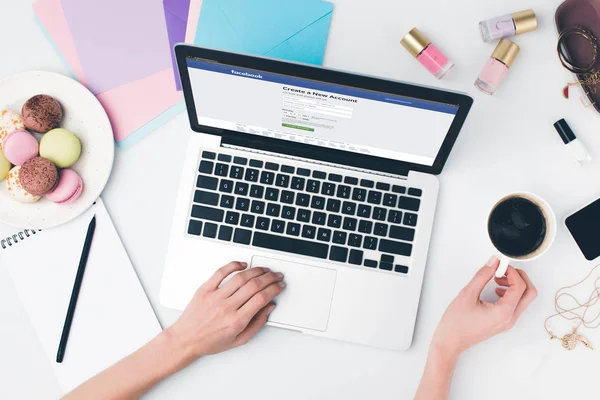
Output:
(517, 227)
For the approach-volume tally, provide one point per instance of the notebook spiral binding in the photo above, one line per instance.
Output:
(14, 239)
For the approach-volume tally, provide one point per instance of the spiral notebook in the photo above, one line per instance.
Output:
(113, 317)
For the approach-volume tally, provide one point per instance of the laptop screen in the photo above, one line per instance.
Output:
(319, 113)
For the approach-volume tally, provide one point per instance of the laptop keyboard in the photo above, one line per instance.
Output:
(344, 219)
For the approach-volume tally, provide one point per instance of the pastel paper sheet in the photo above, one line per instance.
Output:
(193, 17)
(176, 16)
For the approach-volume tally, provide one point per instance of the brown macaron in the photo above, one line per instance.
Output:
(38, 176)
(41, 113)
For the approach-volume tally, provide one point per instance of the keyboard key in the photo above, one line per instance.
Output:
(209, 198)
(374, 197)
(282, 180)
(290, 245)
(395, 217)
(398, 189)
(287, 197)
(309, 231)
(206, 167)
(273, 209)
(242, 204)
(410, 219)
(350, 224)
(242, 236)
(365, 226)
(339, 237)
(324, 235)
(354, 240)
(318, 202)
(401, 269)
(356, 257)
(257, 191)
(313, 186)
(221, 169)
(335, 177)
(227, 201)
(334, 221)
(288, 212)
(386, 258)
(207, 182)
(232, 218)
(298, 183)
(303, 215)
(267, 177)
(334, 205)
(226, 186)
(350, 180)
(367, 183)
(247, 220)
(241, 189)
(328, 189)
(364, 211)
(256, 163)
(359, 194)
(225, 233)
(382, 186)
(303, 172)
(272, 166)
(251, 175)
(302, 200)
(208, 154)
(343, 191)
(277, 226)
(319, 218)
(319, 174)
(348, 208)
(393, 247)
(224, 158)
(194, 227)
(380, 229)
(236, 172)
(370, 243)
(257, 207)
(409, 203)
(386, 266)
(288, 169)
(210, 230)
(293, 229)
(390, 200)
(240, 160)
(379, 213)
(209, 213)
(262, 223)
(272, 194)
(370, 263)
(338, 254)
(402, 233)
(415, 192)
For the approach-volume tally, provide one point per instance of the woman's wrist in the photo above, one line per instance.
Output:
(444, 350)
(174, 351)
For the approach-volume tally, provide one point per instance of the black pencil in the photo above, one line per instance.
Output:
(75, 293)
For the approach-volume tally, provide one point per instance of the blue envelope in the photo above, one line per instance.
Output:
(294, 30)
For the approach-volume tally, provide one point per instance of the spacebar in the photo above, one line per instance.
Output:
(290, 245)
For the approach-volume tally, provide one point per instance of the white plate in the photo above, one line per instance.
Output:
(84, 116)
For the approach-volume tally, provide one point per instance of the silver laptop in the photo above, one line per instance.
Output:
(326, 176)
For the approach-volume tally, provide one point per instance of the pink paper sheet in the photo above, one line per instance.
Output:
(193, 17)
(129, 106)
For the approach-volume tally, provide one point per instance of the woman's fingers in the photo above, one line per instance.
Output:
(236, 282)
(257, 323)
(261, 299)
(500, 291)
(514, 292)
(254, 286)
(221, 274)
(528, 296)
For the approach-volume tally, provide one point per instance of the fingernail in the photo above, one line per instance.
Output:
(491, 261)
(281, 284)
(243, 264)
(265, 270)
(279, 275)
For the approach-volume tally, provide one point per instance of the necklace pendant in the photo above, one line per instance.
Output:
(571, 340)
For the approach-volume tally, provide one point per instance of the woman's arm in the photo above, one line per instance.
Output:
(220, 316)
(468, 321)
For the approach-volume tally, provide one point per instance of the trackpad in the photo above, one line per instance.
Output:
(306, 300)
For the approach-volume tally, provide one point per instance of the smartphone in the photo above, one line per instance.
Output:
(584, 225)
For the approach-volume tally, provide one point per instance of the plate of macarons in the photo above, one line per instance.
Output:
(56, 150)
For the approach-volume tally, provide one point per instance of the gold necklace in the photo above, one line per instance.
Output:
(570, 340)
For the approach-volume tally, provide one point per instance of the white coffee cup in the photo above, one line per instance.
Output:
(550, 218)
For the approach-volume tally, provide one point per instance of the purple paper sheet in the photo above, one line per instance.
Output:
(118, 41)
(176, 16)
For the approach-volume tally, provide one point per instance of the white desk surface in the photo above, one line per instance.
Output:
(507, 144)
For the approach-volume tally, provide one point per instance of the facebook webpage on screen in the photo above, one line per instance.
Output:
(320, 114)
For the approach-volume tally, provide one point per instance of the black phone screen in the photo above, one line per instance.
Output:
(584, 225)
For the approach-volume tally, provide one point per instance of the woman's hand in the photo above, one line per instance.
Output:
(221, 317)
(468, 320)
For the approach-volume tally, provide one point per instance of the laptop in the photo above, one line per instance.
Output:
(326, 176)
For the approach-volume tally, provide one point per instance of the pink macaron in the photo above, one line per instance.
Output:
(69, 188)
(20, 146)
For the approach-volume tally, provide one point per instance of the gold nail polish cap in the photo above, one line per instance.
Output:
(525, 21)
(415, 42)
(506, 52)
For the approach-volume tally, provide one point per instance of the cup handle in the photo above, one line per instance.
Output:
(501, 271)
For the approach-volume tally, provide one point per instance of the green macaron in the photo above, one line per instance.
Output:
(61, 147)
(4, 166)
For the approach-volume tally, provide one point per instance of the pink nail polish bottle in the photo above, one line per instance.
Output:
(427, 53)
(495, 70)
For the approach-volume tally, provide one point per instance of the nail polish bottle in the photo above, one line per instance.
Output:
(508, 25)
(427, 53)
(497, 67)
(575, 146)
